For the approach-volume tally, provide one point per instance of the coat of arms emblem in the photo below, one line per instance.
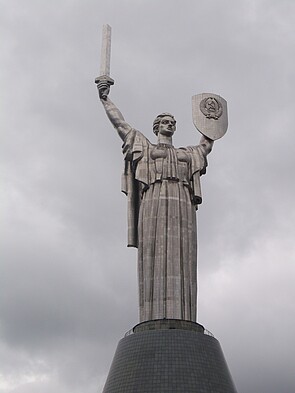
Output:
(210, 115)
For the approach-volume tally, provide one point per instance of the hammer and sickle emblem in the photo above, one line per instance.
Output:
(211, 108)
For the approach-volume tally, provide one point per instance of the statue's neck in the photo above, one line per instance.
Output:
(167, 140)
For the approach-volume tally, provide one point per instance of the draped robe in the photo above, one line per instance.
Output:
(163, 188)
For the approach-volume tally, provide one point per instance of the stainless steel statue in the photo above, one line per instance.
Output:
(162, 184)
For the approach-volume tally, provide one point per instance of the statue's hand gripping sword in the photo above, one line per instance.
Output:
(104, 81)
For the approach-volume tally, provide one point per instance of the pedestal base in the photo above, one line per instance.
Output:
(169, 356)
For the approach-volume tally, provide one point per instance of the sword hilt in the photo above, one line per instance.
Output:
(104, 81)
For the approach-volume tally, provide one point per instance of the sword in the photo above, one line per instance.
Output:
(105, 59)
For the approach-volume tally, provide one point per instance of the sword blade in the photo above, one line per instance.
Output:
(105, 58)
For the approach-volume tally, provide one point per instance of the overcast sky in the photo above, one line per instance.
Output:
(68, 282)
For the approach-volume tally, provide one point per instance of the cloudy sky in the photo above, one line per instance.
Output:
(67, 279)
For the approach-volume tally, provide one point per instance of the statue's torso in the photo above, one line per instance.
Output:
(168, 163)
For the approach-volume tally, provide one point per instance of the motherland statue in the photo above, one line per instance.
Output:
(162, 184)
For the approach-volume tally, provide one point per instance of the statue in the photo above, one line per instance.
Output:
(162, 184)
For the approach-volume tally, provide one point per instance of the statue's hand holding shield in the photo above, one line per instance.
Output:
(210, 115)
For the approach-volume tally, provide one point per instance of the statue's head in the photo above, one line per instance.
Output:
(166, 122)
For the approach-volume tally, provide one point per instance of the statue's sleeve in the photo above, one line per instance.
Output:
(134, 179)
(197, 168)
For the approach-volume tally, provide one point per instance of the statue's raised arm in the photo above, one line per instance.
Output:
(104, 82)
(113, 113)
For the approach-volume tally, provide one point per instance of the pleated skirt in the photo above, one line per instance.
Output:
(167, 253)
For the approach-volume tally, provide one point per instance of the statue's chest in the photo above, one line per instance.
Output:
(169, 162)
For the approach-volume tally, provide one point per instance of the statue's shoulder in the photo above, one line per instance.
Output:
(135, 142)
(141, 138)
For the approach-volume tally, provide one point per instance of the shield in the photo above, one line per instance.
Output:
(210, 115)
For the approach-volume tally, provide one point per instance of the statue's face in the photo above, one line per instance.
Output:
(167, 126)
